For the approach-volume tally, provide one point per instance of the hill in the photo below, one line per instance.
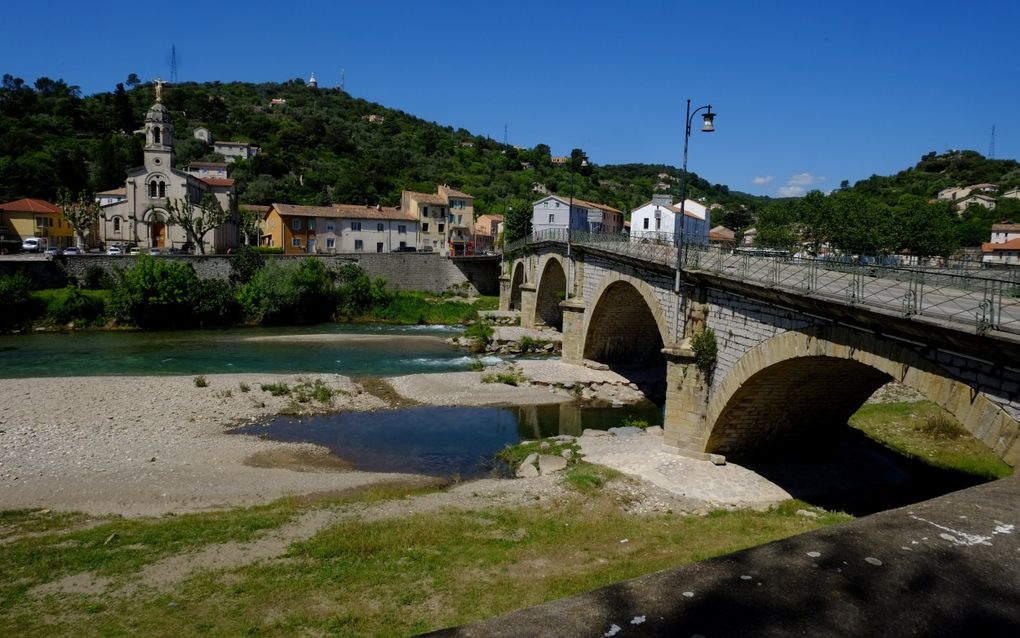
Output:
(935, 172)
(318, 146)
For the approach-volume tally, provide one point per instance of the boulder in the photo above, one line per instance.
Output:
(549, 464)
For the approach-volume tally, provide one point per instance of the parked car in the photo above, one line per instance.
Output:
(114, 250)
(72, 250)
(52, 252)
(34, 244)
(134, 250)
(154, 251)
(172, 251)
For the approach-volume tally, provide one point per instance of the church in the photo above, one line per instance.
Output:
(141, 218)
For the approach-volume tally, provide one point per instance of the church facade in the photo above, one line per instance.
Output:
(142, 219)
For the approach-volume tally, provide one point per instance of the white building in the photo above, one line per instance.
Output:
(657, 221)
(557, 212)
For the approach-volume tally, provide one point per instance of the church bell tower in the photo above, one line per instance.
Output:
(159, 135)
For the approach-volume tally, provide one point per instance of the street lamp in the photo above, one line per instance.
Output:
(707, 126)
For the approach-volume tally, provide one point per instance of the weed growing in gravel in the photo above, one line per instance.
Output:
(245, 387)
(276, 389)
(201, 381)
(512, 376)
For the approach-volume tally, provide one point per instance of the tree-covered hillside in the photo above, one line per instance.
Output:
(935, 172)
(319, 146)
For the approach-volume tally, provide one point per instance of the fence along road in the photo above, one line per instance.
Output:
(972, 298)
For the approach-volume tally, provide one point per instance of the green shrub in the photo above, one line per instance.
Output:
(201, 381)
(245, 387)
(162, 294)
(939, 425)
(634, 422)
(267, 250)
(17, 305)
(476, 365)
(291, 293)
(356, 292)
(244, 263)
(705, 350)
(96, 278)
(507, 377)
(215, 304)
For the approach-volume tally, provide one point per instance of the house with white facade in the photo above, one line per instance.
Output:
(562, 213)
(1005, 232)
(657, 220)
(338, 228)
(953, 193)
(975, 199)
(1013, 193)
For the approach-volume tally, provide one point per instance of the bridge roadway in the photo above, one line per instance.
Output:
(945, 567)
(981, 300)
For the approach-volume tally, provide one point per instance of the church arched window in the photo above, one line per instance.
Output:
(116, 224)
(155, 135)
(162, 189)
(152, 189)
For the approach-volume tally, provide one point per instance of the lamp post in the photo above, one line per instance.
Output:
(707, 126)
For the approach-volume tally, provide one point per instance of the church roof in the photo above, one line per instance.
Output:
(157, 113)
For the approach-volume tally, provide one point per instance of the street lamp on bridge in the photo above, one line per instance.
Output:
(707, 126)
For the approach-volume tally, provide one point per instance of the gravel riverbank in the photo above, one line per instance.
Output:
(153, 445)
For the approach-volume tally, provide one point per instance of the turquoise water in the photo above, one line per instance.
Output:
(445, 441)
(362, 349)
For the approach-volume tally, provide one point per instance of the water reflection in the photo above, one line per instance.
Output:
(442, 441)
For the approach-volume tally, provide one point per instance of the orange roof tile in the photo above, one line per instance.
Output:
(989, 247)
(218, 181)
(29, 205)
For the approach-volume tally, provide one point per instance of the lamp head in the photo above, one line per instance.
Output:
(708, 125)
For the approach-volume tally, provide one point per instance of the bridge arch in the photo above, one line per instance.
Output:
(799, 381)
(626, 324)
(552, 286)
(516, 281)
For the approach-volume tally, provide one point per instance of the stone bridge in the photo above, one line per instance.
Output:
(800, 346)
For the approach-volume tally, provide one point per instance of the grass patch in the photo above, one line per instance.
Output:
(244, 387)
(308, 390)
(201, 381)
(635, 422)
(481, 332)
(512, 377)
(925, 432)
(530, 344)
(587, 477)
(476, 365)
(392, 577)
(514, 455)
(409, 307)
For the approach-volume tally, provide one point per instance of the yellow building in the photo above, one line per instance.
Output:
(26, 218)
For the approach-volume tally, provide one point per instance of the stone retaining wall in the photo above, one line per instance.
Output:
(402, 271)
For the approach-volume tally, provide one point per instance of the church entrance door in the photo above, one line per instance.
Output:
(159, 235)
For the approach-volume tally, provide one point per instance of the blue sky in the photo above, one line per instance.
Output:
(807, 93)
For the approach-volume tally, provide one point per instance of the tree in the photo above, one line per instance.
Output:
(132, 80)
(249, 226)
(81, 213)
(517, 220)
(197, 221)
(926, 229)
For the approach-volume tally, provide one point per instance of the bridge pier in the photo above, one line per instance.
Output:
(505, 284)
(529, 298)
(685, 427)
(573, 330)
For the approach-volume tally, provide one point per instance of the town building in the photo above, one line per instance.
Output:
(487, 232)
(556, 212)
(445, 220)
(216, 170)
(141, 218)
(26, 218)
(112, 196)
(657, 221)
(339, 228)
(1004, 246)
(974, 199)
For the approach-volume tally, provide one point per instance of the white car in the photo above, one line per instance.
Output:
(114, 250)
(72, 250)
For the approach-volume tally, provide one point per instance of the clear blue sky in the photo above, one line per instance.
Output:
(808, 93)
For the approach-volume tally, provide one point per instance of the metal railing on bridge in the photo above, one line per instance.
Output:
(963, 293)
